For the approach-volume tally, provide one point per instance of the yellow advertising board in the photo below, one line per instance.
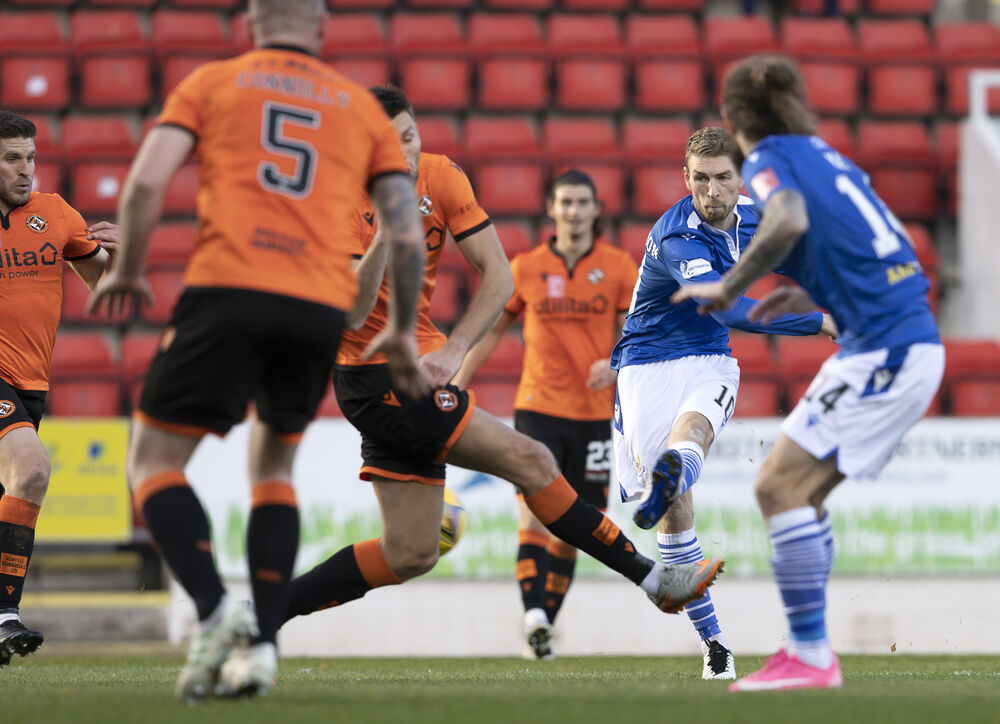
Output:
(88, 499)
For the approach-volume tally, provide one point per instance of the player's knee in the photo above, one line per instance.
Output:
(415, 561)
(30, 484)
(534, 465)
(770, 493)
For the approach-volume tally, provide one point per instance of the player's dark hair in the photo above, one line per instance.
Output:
(575, 177)
(15, 126)
(710, 142)
(765, 95)
(393, 99)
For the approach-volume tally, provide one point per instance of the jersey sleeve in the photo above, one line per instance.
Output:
(361, 231)
(185, 103)
(465, 215)
(515, 304)
(386, 155)
(629, 275)
(767, 173)
(687, 259)
(77, 246)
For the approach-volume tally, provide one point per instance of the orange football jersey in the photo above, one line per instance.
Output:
(570, 322)
(446, 202)
(286, 146)
(34, 240)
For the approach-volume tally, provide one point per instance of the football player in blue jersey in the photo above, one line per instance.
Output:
(677, 382)
(822, 221)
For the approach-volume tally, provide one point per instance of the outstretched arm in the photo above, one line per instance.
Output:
(482, 350)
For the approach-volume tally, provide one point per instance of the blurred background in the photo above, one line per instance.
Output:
(517, 91)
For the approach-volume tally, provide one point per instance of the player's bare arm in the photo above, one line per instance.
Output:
(162, 153)
(600, 374)
(485, 254)
(783, 223)
(90, 270)
(396, 205)
(482, 350)
(370, 270)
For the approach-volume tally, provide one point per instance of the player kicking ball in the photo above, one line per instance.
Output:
(835, 237)
(677, 382)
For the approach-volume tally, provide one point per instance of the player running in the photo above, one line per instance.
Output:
(677, 383)
(36, 231)
(287, 145)
(574, 292)
(832, 234)
(406, 439)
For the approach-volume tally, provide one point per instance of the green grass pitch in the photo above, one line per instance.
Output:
(905, 689)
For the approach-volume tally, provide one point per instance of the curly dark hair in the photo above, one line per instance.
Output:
(393, 99)
(765, 95)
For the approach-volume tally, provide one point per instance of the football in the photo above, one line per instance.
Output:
(452, 521)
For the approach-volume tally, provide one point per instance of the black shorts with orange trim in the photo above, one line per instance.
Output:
(401, 438)
(225, 348)
(19, 408)
(582, 449)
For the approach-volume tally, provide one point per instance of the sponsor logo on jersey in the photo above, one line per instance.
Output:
(12, 257)
(445, 400)
(595, 276)
(764, 182)
(651, 248)
(571, 305)
(37, 224)
(6, 408)
(425, 206)
(695, 267)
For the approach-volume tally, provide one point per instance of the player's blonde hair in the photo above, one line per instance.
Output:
(710, 142)
(765, 95)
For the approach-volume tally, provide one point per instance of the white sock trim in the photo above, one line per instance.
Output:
(690, 446)
(791, 518)
(9, 616)
(671, 539)
(651, 583)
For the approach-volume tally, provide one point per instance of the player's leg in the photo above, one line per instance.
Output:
(532, 572)
(678, 543)
(489, 446)
(24, 475)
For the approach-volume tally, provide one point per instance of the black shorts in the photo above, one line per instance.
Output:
(401, 439)
(19, 408)
(227, 347)
(582, 449)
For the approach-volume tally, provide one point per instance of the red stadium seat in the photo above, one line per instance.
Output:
(818, 39)
(632, 237)
(893, 40)
(900, 7)
(646, 139)
(972, 376)
(496, 397)
(205, 4)
(957, 89)
(965, 43)
(513, 83)
(832, 87)
(96, 186)
(490, 33)
(182, 192)
(409, 32)
(490, 137)
(585, 5)
(33, 81)
(367, 72)
(591, 33)
(510, 187)
(893, 141)
(575, 137)
(664, 85)
(515, 237)
(910, 192)
(74, 303)
(533, 5)
(48, 178)
(589, 83)
(439, 134)
(897, 156)
(608, 177)
(902, 90)
(167, 285)
(346, 33)
(446, 301)
(799, 360)
(656, 187)
(818, 7)
(176, 65)
(97, 138)
(946, 141)
(505, 361)
(138, 350)
(104, 27)
(87, 353)
(731, 38)
(30, 31)
(173, 30)
(441, 4)
(673, 6)
(838, 134)
(328, 406)
(760, 394)
(45, 138)
(84, 397)
(436, 82)
(662, 36)
(360, 4)
(114, 80)
(122, 3)
(172, 244)
(763, 286)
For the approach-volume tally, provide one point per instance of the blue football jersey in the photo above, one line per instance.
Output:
(683, 249)
(854, 260)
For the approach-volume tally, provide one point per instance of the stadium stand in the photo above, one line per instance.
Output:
(516, 91)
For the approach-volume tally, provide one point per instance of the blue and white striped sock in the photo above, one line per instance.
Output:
(676, 548)
(826, 528)
(693, 458)
(800, 565)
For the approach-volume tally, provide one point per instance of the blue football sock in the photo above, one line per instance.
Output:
(693, 458)
(826, 528)
(800, 565)
(676, 548)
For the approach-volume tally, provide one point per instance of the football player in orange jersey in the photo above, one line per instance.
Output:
(36, 231)
(287, 146)
(574, 292)
(406, 440)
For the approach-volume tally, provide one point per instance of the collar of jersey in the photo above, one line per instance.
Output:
(290, 48)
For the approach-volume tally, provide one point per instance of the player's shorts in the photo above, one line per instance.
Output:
(19, 408)
(860, 406)
(401, 438)
(225, 348)
(582, 449)
(651, 397)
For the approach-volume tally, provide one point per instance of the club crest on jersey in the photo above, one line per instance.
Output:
(445, 400)
(425, 206)
(6, 408)
(37, 224)
(595, 276)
